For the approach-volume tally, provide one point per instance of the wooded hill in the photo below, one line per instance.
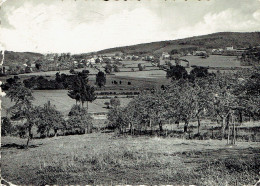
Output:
(216, 40)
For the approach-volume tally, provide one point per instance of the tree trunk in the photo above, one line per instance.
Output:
(228, 134)
(55, 132)
(240, 117)
(82, 104)
(177, 122)
(87, 106)
(151, 126)
(223, 127)
(198, 124)
(186, 126)
(131, 129)
(48, 133)
(227, 120)
(160, 126)
(29, 137)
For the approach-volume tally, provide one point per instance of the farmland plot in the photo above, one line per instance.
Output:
(143, 74)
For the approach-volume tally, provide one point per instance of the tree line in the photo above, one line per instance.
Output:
(195, 96)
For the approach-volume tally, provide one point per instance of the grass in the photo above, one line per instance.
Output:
(100, 158)
(62, 101)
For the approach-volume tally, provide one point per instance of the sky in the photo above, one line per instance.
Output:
(79, 26)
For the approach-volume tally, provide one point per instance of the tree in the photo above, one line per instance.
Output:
(116, 69)
(100, 79)
(204, 97)
(107, 104)
(114, 102)
(28, 69)
(199, 72)
(49, 118)
(79, 119)
(177, 72)
(116, 119)
(181, 102)
(224, 99)
(140, 67)
(23, 108)
(174, 51)
(81, 91)
(108, 68)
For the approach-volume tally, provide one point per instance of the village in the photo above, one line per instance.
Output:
(59, 62)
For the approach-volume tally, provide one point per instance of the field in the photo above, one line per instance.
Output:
(102, 158)
(214, 61)
(143, 74)
(62, 101)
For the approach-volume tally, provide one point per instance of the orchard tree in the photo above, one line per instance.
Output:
(79, 119)
(49, 118)
(100, 79)
(22, 108)
(116, 119)
(151, 107)
(204, 97)
(224, 98)
(182, 104)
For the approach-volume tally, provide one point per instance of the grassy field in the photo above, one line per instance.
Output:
(62, 101)
(102, 158)
(143, 74)
(214, 61)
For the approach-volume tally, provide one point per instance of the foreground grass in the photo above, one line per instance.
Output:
(103, 159)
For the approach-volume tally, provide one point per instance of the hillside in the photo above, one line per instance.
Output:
(216, 40)
(19, 57)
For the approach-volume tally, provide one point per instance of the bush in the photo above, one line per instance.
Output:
(6, 127)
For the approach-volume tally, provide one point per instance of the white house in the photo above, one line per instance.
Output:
(230, 48)
(91, 61)
(165, 55)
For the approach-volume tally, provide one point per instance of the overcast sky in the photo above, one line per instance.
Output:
(91, 25)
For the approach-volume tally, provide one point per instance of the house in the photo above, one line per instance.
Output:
(230, 48)
(165, 55)
(91, 61)
(149, 58)
(135, 57)
(199, 53)
(218, 51)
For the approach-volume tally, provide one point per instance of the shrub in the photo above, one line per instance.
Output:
(6, 127)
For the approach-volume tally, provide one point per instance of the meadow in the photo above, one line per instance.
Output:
(103, 158)
(62, 101)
